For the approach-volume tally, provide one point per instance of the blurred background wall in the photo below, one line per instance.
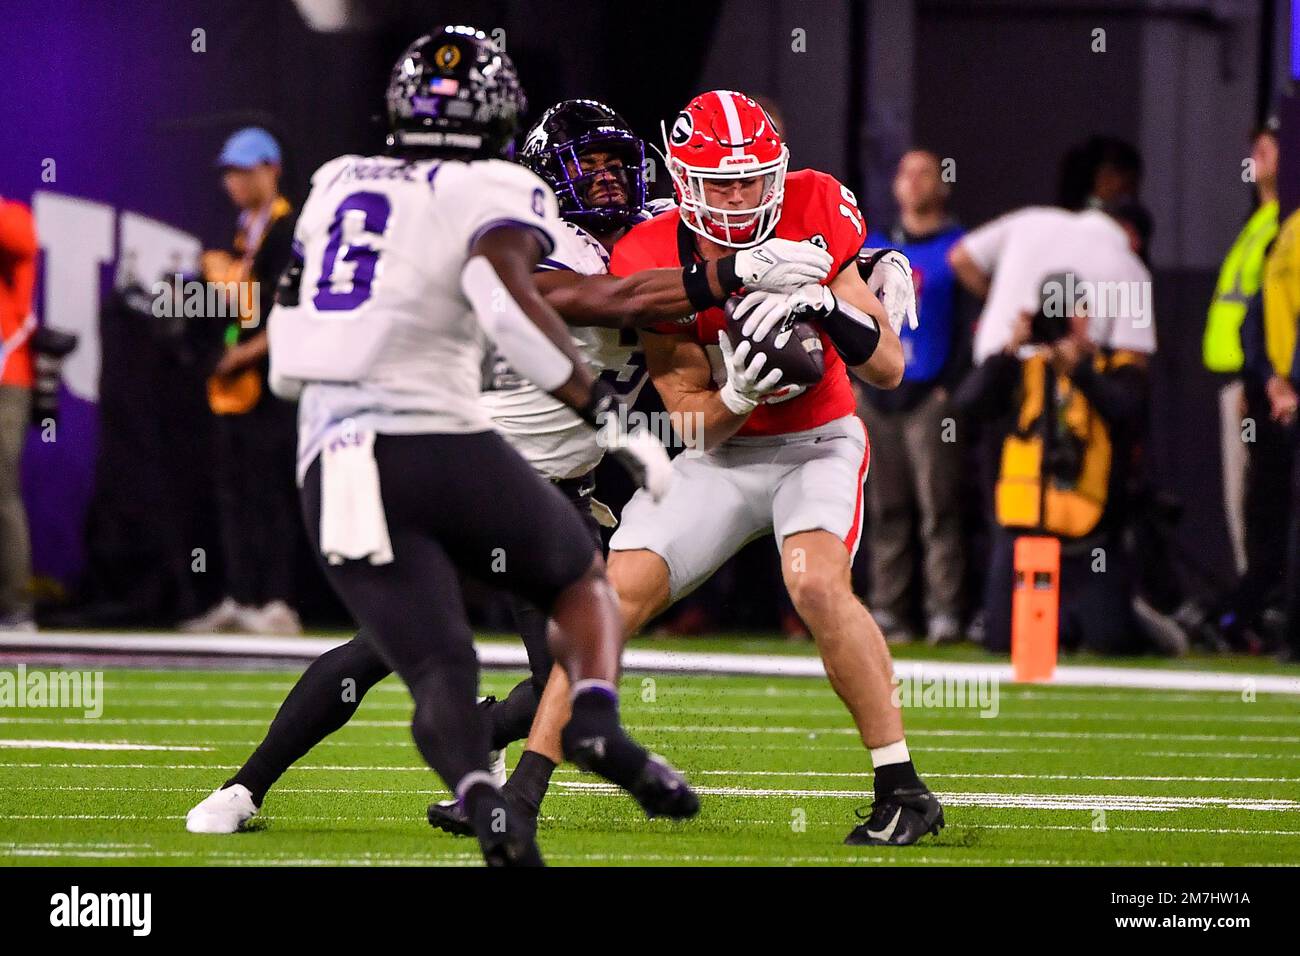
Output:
(120, 97)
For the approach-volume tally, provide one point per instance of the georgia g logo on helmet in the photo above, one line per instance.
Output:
(723, 137)
(683, 127)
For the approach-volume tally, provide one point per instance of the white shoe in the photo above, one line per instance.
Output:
(18, 624)
(222, 811)
(497, 767)
(218, 618)
(276, 618)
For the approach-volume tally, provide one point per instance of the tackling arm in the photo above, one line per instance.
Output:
(655, 295)
(623, 302)
(498, 282)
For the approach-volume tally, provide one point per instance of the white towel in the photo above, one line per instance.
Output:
(352, 521)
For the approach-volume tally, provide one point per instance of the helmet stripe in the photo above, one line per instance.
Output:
(733, 120)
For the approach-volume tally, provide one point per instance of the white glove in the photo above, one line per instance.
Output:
(743, 389)
(891, 282)
(780, 265)
(641, 454)
(761, 312)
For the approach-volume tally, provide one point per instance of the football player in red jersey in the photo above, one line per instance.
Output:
(788, 461)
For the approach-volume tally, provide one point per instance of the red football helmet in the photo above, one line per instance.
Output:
(726, 135)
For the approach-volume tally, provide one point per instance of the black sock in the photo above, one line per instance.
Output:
(894, 775)
(530, 779)
(595, 716)
(324, 699)
(510, 719)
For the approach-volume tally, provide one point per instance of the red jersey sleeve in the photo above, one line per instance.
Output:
(846, 226)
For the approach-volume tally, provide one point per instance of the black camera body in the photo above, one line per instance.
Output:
(1051, 322)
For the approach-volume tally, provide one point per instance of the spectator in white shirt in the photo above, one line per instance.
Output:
(1006, 260)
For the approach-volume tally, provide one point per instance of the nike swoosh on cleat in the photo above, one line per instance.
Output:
(888, 831)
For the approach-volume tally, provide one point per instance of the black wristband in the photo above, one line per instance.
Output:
(601, 401)
(731, 282)
(854, 333)
(696, 280)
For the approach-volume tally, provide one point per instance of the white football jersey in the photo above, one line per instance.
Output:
(384, 240)
(542, 429)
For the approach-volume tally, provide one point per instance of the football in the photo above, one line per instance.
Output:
(800, 357)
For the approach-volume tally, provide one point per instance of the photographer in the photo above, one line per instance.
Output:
(1069, 407)
(17, 278)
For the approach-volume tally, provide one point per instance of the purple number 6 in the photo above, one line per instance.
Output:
(345, 279)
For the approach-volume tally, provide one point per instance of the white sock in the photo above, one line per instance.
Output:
(890, 753)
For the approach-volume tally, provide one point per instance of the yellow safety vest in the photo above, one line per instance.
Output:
(1022, 499)
(1238, 281)
(1282, 296)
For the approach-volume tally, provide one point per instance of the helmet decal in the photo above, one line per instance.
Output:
(723, 137)
(683, 127)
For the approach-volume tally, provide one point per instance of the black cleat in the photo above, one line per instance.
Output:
(663, 791)
(899, 818)
(660, 790)
(450, 817)
(504, 838)
(511, 849)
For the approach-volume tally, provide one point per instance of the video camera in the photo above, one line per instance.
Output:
(1051, 322)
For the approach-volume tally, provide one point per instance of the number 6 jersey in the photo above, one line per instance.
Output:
(377, 328)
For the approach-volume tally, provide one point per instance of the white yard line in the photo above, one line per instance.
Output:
(87, 745)
(1024, 801)
(633, 709)
(808, 732)
(862, 775)
(646, 659)
(1034, 801)
(854, 857)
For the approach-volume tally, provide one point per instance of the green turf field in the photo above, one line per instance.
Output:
(1062, 775)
